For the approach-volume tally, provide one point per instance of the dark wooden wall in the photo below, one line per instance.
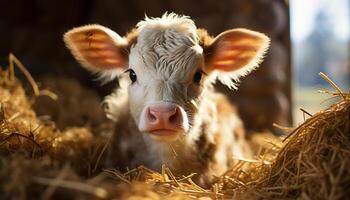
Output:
(264, 97)
(32, 30)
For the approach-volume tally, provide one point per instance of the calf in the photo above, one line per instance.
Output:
(166, 110)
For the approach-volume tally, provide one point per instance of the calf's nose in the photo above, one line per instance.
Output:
(163, 117)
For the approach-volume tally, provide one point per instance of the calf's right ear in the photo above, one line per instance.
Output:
(98, 49)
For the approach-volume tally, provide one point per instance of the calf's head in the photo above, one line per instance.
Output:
(169, 62)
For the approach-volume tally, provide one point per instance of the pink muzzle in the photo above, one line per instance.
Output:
(162, 119)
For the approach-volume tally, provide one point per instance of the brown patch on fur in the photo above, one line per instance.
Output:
(205, 40)
(131, 37)
(206, 149)
(223, 106)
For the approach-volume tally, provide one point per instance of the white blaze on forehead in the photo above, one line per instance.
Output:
(167, 45)
(182, 24)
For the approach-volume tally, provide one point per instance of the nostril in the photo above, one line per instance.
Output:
(152, 116)
(174, 118)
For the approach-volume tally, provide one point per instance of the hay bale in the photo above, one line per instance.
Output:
(39, 161)
(31, 147)
(313, 163)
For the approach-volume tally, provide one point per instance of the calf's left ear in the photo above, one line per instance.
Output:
(235, 53)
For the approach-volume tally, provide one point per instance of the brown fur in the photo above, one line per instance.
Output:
(131, 37)
(205, 40)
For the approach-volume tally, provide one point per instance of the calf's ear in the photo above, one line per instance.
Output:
(235, 53)
(98, 49)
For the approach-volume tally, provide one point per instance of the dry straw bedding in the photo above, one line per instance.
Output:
(38, 161)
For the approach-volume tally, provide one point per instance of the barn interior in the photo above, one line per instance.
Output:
(54, 134)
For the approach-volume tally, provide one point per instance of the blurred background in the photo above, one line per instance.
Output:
(320, 34)
(307, 37)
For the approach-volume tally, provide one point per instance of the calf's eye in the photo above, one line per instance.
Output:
(132, 75)
(197, 77)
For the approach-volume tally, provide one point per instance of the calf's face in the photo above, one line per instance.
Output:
(168, 66)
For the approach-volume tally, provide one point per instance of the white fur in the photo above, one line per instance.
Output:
(164, 58)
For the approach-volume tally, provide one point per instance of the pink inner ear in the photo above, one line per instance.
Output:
(235, 49)
(96, 49)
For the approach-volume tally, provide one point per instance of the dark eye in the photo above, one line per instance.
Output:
(132, 75)
(197, 77)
